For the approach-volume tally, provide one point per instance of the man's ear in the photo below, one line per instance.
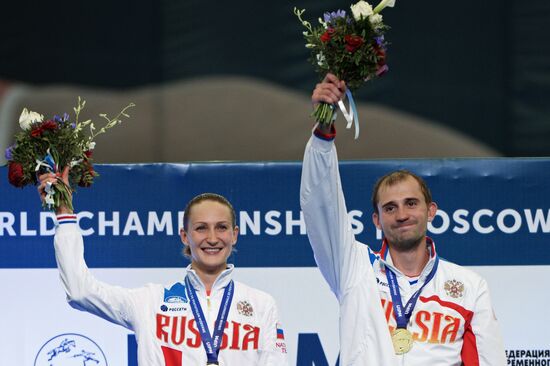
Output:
(376, 221)
(432, 210)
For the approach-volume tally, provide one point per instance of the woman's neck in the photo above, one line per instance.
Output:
(208, 276)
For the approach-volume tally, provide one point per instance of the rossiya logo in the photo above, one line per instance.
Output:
(70, 349)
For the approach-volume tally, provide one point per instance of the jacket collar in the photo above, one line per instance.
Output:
(386, 260)
(221, 282)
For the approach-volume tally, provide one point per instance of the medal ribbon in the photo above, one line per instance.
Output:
(210, 342)
(402, 315)
(350, 116)
(50, 165)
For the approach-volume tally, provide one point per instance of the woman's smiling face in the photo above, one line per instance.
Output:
(210, 236)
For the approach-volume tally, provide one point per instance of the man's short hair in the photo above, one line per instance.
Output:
(395, 177)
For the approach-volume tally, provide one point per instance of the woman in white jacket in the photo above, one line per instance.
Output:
(205, 319)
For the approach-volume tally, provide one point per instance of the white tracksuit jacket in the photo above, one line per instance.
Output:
(162, 319)
(453, 321)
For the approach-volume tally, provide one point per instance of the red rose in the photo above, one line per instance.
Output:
(381, 55)
(325, 37)
(37, 132)
(88, 153)
(44, 126)
(49, 125)
(15, 174)
(353, 42)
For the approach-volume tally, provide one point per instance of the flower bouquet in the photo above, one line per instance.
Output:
(351, 47)
(48, 146)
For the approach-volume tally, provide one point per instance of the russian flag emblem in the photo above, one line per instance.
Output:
(280, 333)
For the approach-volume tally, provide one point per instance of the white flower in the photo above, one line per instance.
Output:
(375, 20)
(361, 9)
(91, 145)
(74, 163)
(29, 117)
(383, 4)
(321, 59)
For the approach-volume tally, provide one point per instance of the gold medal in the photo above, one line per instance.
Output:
(402, 341)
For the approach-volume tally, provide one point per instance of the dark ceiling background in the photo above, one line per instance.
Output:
(482, 68)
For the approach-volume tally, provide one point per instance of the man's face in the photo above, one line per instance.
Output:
(403, 214)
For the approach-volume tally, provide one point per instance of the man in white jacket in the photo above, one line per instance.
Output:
(402, 305)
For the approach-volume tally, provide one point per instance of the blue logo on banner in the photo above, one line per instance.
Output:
(70, 349)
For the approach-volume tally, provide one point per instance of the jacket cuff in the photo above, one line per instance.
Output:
(321, 145)
(65, 219)
(325, 136)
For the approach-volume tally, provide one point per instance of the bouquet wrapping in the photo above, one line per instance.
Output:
(352, 47)
(49, 146)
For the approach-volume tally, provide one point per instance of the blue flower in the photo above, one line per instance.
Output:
(379, 40)
(61, 120)
(332, 16)
(8, 153)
